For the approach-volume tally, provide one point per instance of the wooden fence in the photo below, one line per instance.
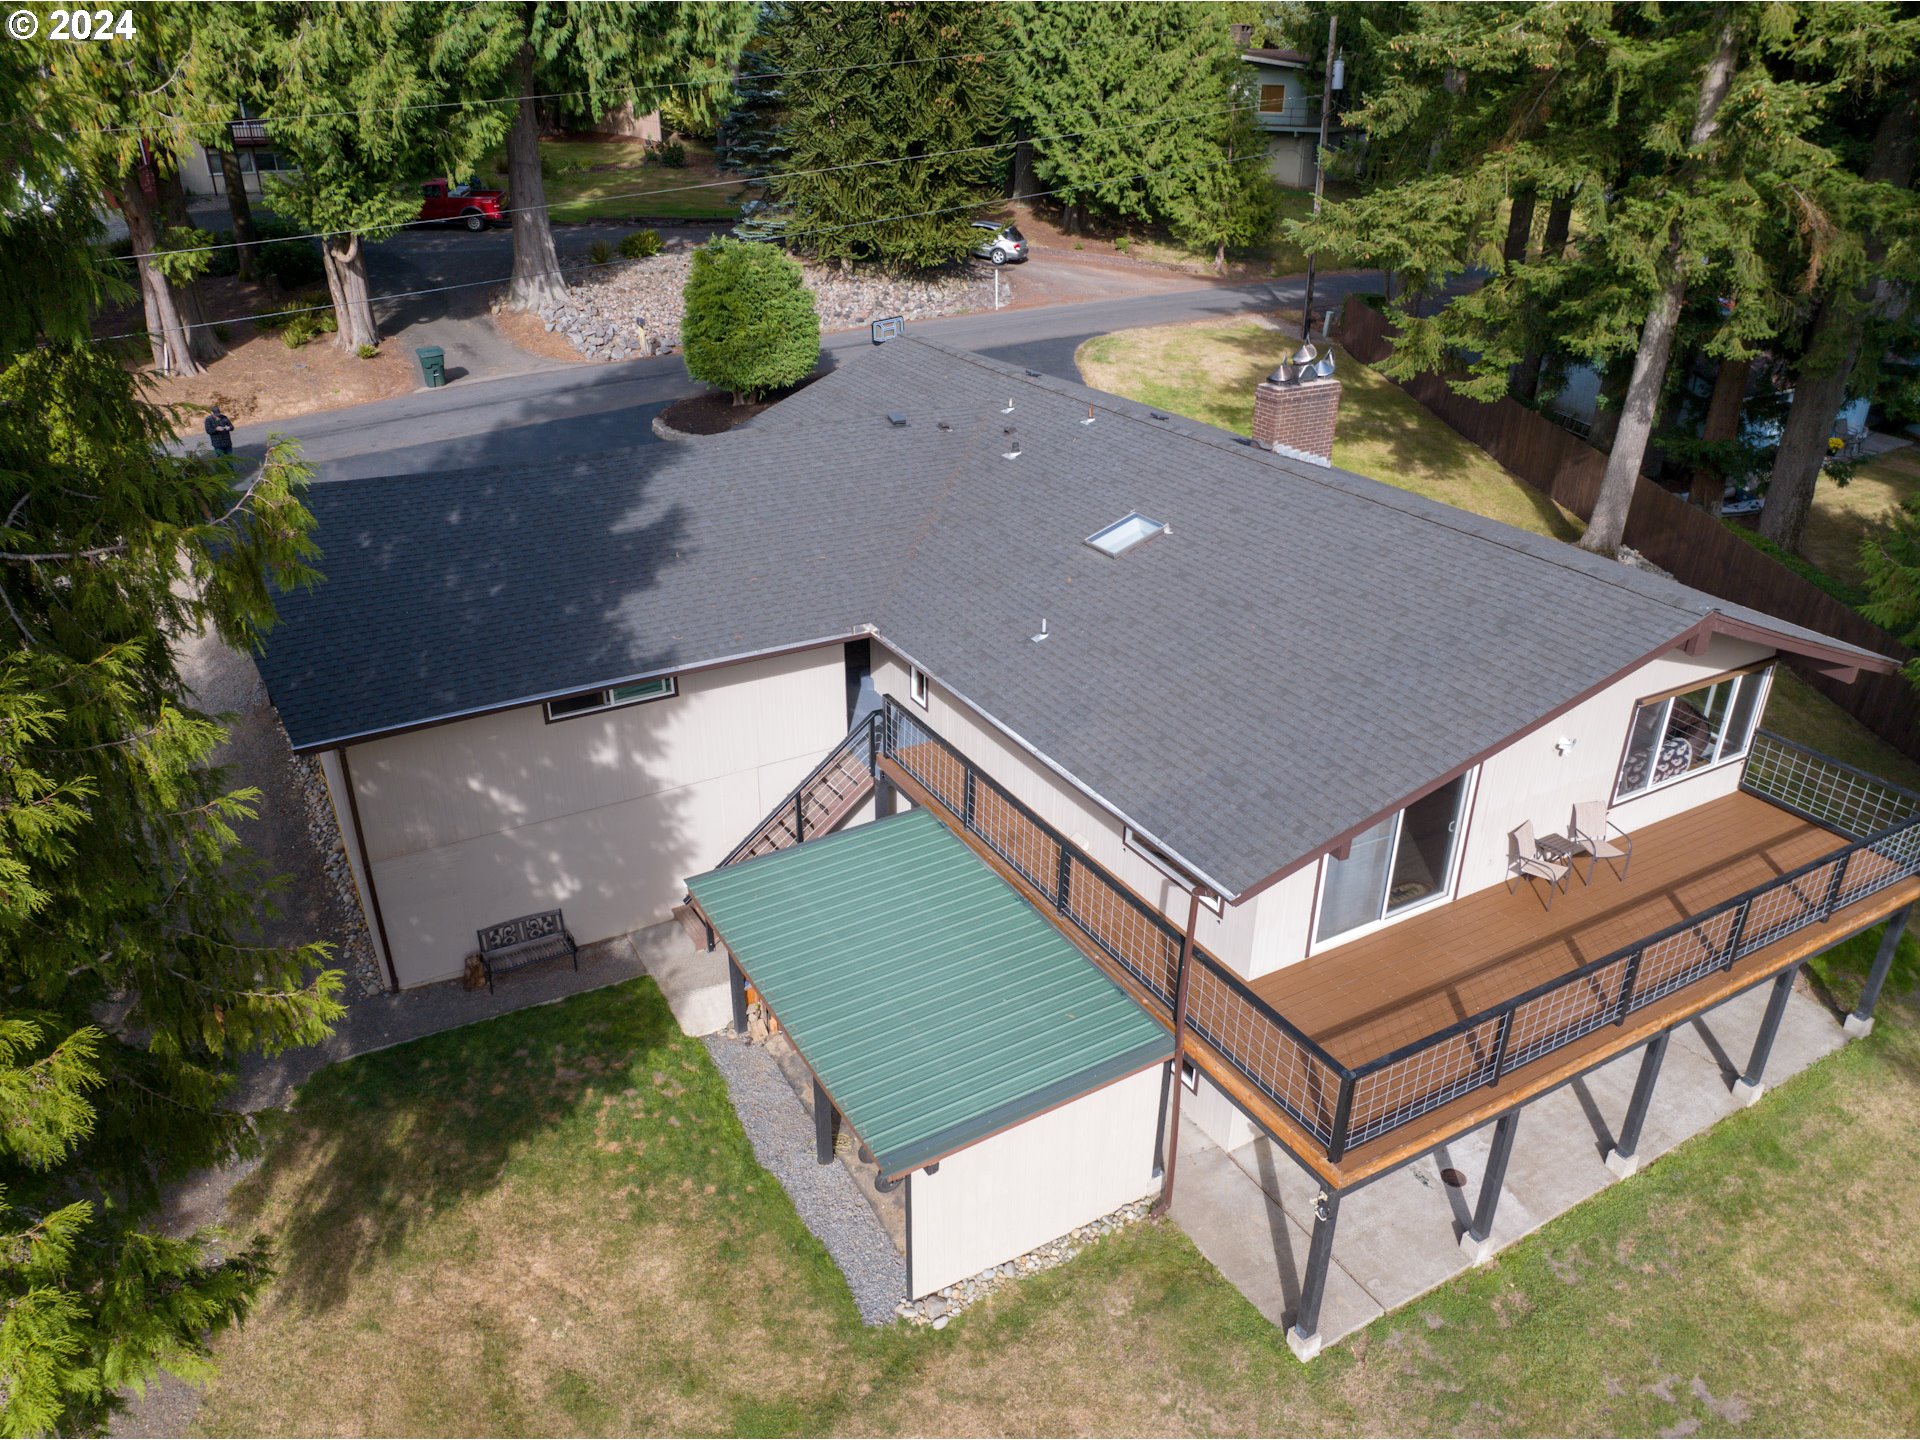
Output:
(1697, 548)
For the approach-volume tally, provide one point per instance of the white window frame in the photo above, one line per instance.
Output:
(917, 686)
(1445, 895)
(1720, 760)
(1138, 844)
(607, 702)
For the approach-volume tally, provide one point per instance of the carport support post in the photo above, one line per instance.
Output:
(1623, 1159)
(1477, 1238)
(1303, 1337)
(1750, 1087)
(822, 1124)
(1860, 1023)
(737, 989)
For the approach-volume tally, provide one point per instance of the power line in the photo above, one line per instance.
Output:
(566, 94)
(719, 184)
(589, 265)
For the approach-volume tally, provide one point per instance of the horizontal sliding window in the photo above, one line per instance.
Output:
(1674, 736)
(612, 698)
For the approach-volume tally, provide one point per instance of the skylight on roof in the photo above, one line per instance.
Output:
(1123, 535)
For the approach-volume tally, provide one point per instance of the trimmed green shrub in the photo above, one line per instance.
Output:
(750, 323)
(368, 352)
(641, 245)
(672, 154)
(599, 253)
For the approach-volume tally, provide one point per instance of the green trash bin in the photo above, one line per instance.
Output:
(433, 365)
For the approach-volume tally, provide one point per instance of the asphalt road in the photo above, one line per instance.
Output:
(574, 410)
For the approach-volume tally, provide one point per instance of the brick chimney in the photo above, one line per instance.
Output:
(1296, 408)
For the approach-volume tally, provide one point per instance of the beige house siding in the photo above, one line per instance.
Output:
(1531, 779)
(1034, 1183)
(604, 814)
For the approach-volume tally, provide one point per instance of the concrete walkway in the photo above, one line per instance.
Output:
(1250, 1211)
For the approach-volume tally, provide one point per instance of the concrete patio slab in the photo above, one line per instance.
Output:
(1250, 1211)
(693, 978)
(1254, 1242)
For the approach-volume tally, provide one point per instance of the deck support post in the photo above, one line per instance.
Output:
(1477, 1238)
(737, 992)
(886, 799)
(1624, 1158)
(822, 1124)
(1303, 1336)
(1751, 1086)
(1860, 1023)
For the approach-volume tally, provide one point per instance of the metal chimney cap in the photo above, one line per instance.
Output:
(1282, 374)
(1324, 367)
(1305, 355)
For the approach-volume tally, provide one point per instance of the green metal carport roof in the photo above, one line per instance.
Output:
(932, 1001)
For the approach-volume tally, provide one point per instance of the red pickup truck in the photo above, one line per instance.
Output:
(471, 204)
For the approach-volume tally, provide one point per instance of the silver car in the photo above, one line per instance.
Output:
(1001, 243)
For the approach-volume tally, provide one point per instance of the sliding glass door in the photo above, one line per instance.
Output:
(1402, 862)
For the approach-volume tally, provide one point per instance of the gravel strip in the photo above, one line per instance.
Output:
(826, 1196)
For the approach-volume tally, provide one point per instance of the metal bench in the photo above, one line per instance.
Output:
(526, 941)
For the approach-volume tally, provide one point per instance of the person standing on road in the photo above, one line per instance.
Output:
(220, 432)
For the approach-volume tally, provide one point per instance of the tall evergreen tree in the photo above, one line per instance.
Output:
(573, 61)
(1142, 111)
(131, 973)
(136, 104)
(1857, 282)
(893, 134)
(1681, 139)
(356, 103)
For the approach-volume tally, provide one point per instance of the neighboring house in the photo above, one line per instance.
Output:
(1289, 113)
(1130, 675)
(200, 168)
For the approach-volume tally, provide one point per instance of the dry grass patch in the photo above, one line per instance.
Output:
(1845, 515)
(501, 1231)
(1207, 371)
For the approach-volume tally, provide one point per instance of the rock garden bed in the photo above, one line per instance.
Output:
(605, 308)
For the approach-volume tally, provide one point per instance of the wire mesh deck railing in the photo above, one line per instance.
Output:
(1342, 1106)
(1268, 1051)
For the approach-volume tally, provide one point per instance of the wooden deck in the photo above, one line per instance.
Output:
(1368, 998)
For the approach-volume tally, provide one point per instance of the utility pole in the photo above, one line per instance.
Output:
(1319, 166)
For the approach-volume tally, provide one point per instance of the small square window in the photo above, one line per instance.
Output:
(917, 686)
(1123, 535)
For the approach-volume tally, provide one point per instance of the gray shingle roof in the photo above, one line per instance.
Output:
(1303, 650)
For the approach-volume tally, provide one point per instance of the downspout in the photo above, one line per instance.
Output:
(366, 868)
(1179, 1060)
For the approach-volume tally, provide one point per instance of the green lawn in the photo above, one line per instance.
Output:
(1208, 372)
(552, 1223)
(610, 180)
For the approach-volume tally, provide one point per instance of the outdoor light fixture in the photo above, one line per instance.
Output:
(1565, 743)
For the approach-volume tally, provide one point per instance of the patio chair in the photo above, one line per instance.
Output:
(1591, 822)
(1528, 860)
